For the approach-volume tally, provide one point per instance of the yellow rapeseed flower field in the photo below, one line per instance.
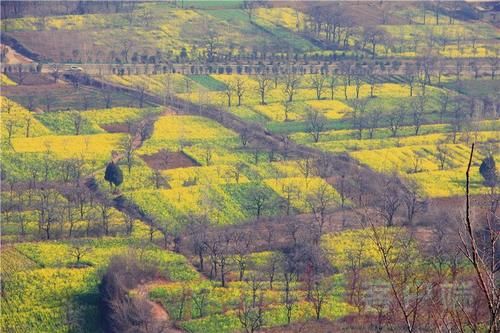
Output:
(172, 131)
(204, 175)
(5, 81)
(16, 118)
(97, 147)
(332, 109)
(300, 189)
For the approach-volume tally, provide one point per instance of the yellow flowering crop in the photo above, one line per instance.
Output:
(117, 115)
(283, 16)
(214, 174)
(18, 118)
(450, 182)
(96, 147)
(300, 189)
(170, 131)
(332, 109)
(275, 112)
(5, 81)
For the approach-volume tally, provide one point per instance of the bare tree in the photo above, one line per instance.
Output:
(321, 201)
(389, 201)
(48, 100)
(127, 145)
(482, 253)
(228, 91)
(316, 123)
(105, 210)
(79, 249)
(258, 199)
(28, 120)
(373, 119)
(396, 117)
(287, 108)
(290, 191)
(358, 76)
(107, 95)
(251, 315)
(291, 84)
(11, 125)
(444, 99)
(264, 84)
(212, 43)
(410, 76)
(21, 74)
(322, 288)
(126, 45)
(7, 105)
(306, 168)
(289, 298)
(141, 88)
(31, 103)
(318, 82)
(418, 109)
(412, 200)
(200, 301)
(442, 154)
(77, 121)
(403, 273)
(241, 248)
(332, 84)
(373, 36)
(239, 88)
(358, 115)
(208, 154)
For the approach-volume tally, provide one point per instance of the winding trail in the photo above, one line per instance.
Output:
(158, 313)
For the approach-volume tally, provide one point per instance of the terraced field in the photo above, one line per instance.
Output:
(248, 166)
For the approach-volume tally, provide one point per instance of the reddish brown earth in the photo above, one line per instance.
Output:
(159, 314)
(163, 160)
(14, 58)
(32, 79)
(116, 128)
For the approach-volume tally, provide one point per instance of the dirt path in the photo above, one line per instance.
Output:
(14, 58)
(158, 313)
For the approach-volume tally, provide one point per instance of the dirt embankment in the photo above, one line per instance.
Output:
(163, 160)
(12, 57)
(158, 313)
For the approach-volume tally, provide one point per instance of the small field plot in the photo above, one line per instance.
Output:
(96, 147)
(44, 280)
(174, 132)
(18, 122)
(62, 96)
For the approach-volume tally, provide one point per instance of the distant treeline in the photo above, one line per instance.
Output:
(13, 9)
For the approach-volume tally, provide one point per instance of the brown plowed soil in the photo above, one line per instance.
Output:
(116, 128)
(163, 160)
(32, 79)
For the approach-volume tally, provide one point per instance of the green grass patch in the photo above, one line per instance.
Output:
(208, 82)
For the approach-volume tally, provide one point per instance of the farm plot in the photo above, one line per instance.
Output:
(44, 286)
(6, 81)
(175, 207)
(304, 194)
(219, 312)
(91, 148)
(94, 121)
(168, 28)
(19, 122)
(174, 132)
(63, 97)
